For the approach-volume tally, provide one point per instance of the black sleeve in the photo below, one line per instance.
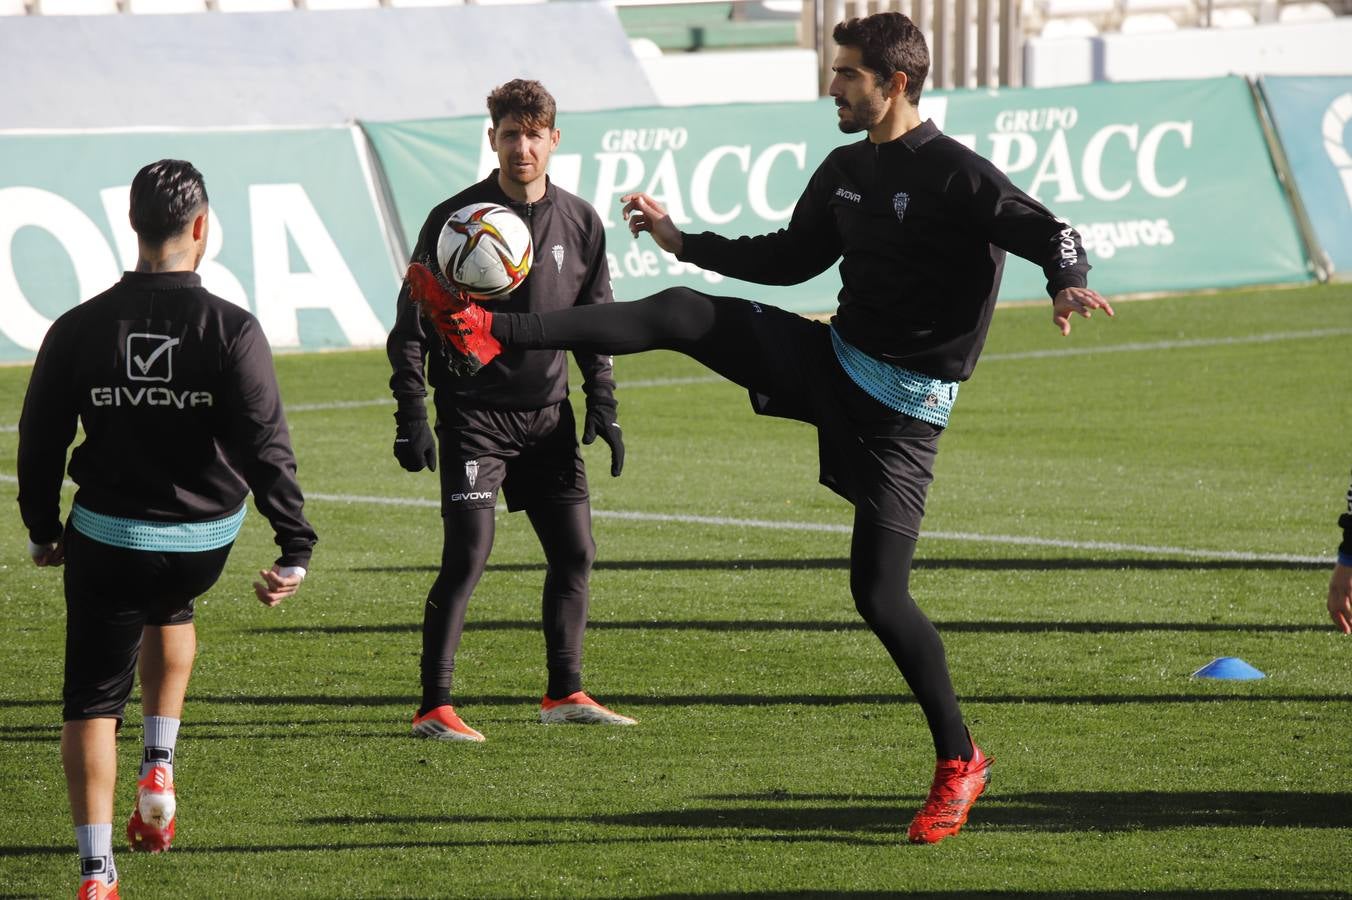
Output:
(598, 376)
(46, 429)
(804, 249)
(1345, 522)
(1016, 222)
(261, 445)
(406, 347)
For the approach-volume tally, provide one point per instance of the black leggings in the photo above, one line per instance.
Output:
(565, 534)
(720, 333)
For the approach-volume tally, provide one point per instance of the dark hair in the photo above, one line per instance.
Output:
(888, 43)
(165, 196)
(528, 101)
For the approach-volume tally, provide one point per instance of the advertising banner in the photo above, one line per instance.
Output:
(294, 234)
(1313, 117)
(1170, 183)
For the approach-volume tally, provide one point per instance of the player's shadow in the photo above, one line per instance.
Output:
(824, 625)
(1170, 894)
(1044, 811)
(1020, 564)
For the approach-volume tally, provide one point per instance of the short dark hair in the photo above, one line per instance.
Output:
(888, 43)
(527, 100)
(165, 196)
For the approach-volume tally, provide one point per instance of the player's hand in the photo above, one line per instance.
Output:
(414, 446)
(643, 213)
(1072, 300)
(53, 554)
(1340, 598)
(278, 583)
(602, 419)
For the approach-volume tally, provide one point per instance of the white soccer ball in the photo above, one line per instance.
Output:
(484, 249)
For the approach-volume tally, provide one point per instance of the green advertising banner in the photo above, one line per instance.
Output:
(1170, 183)
(1313, 117)
(295, 234)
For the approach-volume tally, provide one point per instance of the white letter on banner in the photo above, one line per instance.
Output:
(610, 185)
(215, 277)
(1332, 126)
(277, 210)
(665, 188)
(95, 267)
(758, 185)
(703, 176)
(1002, 145)
(1145, 161)
(1091, 170)
(1056, 166)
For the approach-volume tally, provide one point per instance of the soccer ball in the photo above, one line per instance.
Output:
(484, 249)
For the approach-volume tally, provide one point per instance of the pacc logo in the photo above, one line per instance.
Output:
(150, 357)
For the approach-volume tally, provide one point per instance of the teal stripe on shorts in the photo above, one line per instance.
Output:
(161, 537)
(918, 396)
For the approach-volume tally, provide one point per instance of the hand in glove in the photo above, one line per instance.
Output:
(602, 420)
(414, 446)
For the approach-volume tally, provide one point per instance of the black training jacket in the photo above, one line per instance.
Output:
(1345, 522)
(182, 417)
(921, 225)
(569, 269)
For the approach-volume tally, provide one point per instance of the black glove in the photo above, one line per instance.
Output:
(414, 446)
(601, 419)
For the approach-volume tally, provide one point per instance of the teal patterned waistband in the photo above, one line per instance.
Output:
(918, 396)
(162, 537)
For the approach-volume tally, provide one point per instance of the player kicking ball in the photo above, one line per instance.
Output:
(921, 225)
(182, 419)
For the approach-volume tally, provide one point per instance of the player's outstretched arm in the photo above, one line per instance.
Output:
(1072, 300)
(643, 213)
(278, 583)
(1340, 598)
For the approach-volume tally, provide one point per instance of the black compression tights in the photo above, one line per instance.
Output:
(565, 535)
(718, 332)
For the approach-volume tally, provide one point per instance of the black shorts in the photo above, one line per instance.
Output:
(111, 594)
(879, 459)
(531, 455)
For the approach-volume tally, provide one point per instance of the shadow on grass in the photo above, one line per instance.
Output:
(827, 625)
(1007, 564)
(1012, 895)
(1066, 811)
(1250, 694)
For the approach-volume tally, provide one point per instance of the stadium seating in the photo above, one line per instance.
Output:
(166, 6)
(325, 5)
(233, 6)
(13, 7)
(410, 3)
(1147, 23)
(1070, 27)
(77, 7)
(1305, 12)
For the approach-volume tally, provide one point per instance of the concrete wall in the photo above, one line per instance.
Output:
(1323, 48)
(307, 68)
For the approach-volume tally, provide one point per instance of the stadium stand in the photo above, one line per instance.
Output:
(13, 8)
(234, 6)
(166, 6)
(77, 7)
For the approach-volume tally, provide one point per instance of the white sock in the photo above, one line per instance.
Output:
(161, 736)
(95, 846)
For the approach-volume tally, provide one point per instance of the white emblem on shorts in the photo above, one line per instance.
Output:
(557, 250)
(472, 471)
(899, 202)
(932, 401)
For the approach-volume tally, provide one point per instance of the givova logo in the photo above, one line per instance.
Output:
(150, 357)
(296, 264)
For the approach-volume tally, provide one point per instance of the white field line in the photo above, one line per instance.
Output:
(1181, 344)
(827, 528)
(389, 401)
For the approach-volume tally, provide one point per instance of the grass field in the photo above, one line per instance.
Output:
(1110, 512)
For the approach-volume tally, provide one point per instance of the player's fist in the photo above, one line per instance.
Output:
(414, 446)
(603, 421)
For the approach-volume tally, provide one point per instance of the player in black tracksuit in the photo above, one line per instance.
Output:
(1340, 583)
(182, 419)
(921, 225)
(511, 426)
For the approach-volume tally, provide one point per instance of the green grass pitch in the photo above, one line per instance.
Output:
(1110, 512)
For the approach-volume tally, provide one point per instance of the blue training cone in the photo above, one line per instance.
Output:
(1229, 668)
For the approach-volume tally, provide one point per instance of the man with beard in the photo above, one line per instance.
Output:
(921, 225)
